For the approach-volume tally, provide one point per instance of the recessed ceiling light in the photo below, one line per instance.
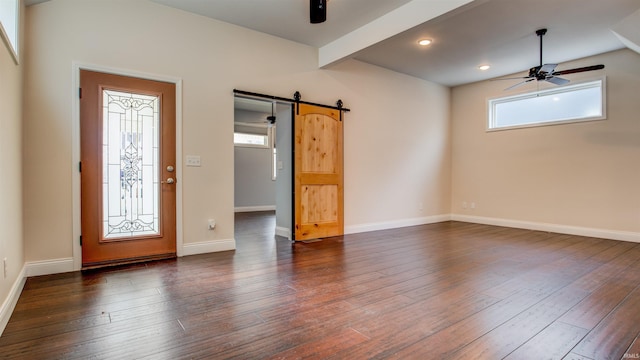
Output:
(425, 42)
(484, 67)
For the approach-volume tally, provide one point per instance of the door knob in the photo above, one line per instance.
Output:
(169, 181)
(170, 168)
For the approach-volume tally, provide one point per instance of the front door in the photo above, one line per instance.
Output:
(318, 167)
(128, 179)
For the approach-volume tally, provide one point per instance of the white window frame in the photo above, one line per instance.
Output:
(493, 102)
(10, 26)
(265, 136)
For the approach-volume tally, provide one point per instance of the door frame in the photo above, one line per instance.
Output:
(75, 150)
(295, 102)
(279, 231)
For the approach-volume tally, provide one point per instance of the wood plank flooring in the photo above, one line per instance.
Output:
(450, 290)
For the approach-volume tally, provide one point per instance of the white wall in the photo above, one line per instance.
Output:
(11, 235)
(396, 148)
(253, 185)
(571, 177)
(396, 137)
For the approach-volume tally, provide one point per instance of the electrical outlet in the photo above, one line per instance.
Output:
(4, 267)
(420, 207)
(464, 204)
(473, 205)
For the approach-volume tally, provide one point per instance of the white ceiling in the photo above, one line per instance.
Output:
(289, 19)
(251, 104)
(500, 33)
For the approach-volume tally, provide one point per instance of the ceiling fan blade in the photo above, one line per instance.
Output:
(580, 69)
(518, 84)
(547, 68)
(512, 78)
(556, 80)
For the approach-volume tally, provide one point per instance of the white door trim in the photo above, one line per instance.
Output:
(75, 149)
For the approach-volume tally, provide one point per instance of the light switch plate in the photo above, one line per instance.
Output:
(193, 160)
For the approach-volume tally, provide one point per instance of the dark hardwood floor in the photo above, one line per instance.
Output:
(443, 291)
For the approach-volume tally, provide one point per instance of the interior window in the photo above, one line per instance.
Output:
(257, 140)
(580, 102)
(9, 17)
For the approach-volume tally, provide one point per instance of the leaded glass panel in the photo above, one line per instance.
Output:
(130, 167)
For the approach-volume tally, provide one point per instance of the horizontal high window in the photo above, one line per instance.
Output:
(251, 140)
(9, 15)
(573, 103)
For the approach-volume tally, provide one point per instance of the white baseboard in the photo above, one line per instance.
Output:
(12, 299)
(284, 232)
(255, 208)
(204, 247)
(47, 267)
(354, 229)
(562, 229)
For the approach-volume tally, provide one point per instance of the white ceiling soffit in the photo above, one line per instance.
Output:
(413, 13)
(628, 31)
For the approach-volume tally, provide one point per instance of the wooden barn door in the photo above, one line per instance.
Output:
(318, 173)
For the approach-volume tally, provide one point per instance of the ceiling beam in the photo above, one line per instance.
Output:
(412, 14)
(628, 31)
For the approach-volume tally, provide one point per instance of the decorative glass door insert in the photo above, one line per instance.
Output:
(130, 165)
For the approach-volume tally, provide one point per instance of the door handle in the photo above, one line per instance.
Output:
(169, 181)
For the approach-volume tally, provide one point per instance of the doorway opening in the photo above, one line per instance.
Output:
(262, 169)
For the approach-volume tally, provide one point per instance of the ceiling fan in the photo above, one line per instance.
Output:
(267, 121)
(271, 120)
(547, 72)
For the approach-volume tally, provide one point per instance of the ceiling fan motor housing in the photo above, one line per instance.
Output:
(318, 11)
(533, 72)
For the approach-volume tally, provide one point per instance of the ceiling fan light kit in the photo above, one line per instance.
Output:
(317, 11)
(547, 72)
